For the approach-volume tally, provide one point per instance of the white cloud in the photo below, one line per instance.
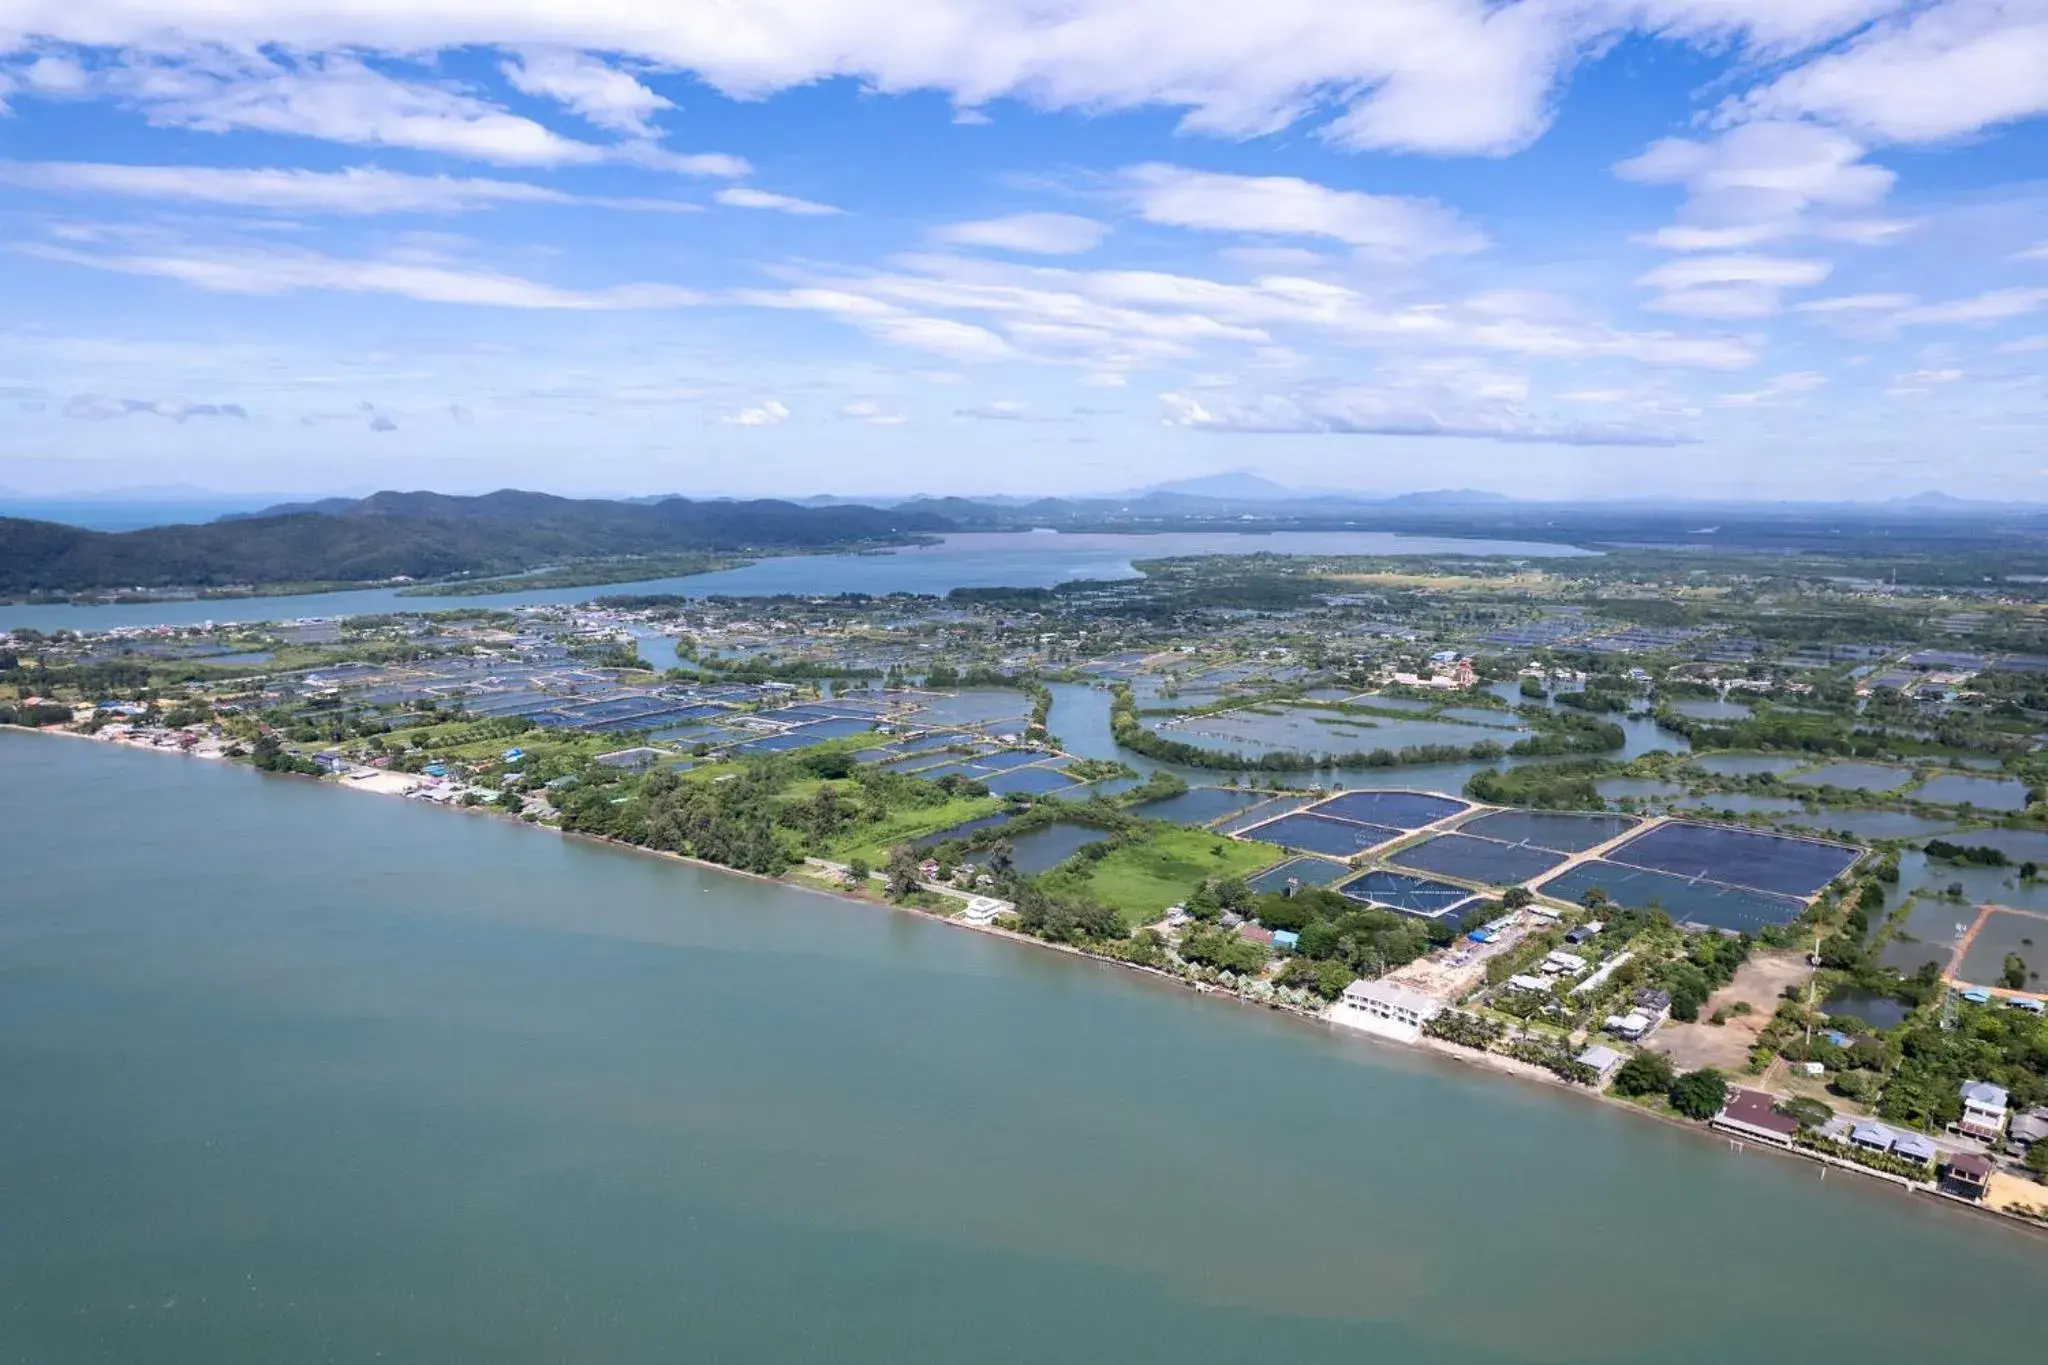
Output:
(1045, 234)
(2037, 252)
(1923, 381)
(1001, 410)
(1365, 412)
(602, 94)
(340, 99)
(269, 272)
(99, 407)
(1775, 391)
(1734, 286)
(1104, 379)
(1936, 72)
(1760, 182)
(1856, 303)
(357, 190)
(1994, 305)
(768, 414)
(52, 75)
(745, 197)
(1286, 206)
(872, 413)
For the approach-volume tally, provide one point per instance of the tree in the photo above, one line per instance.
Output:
(2015, 971)
(1809, 1113)
(902, 871)
(858, 871)
(1517, 898)
(1699, 1094)
(1646, 1073)
(2037, 1160)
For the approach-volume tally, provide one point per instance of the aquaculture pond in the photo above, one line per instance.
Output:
(1485, 861)
(1320, 834)
(1704, 708)
(1202, 805)
(1048, 846)
(1742, 803)
(976, 706)
(1417, 896)
(1030, 781)
(960, 831)
(1259, 814)
(2007, 932)
(1745, 765)
(1303, 871)
(1689, 900)
(1778, 863)
(1869, 777)
(1314, 730)
(1873, 824)
(1402, 810)
(1638, 788)
(1989, 793)
(1564, 831)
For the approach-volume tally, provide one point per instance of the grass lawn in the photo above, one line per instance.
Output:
(873, 842)
(1140, 880)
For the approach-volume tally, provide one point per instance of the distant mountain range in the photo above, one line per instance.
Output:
(425, 535)
(437, 536)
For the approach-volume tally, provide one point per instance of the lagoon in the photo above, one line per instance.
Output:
(974, 560)
(296, 1074)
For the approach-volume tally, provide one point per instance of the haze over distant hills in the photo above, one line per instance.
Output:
(435, 536)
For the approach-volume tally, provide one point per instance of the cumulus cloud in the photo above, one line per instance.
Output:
(745, 197)
(1763, 181)
(872, 413)
(602, 94)
(1045, 234)
(1934, 72)
(768, 414)
(1360, 412)
(1277, 205)
(357, 190)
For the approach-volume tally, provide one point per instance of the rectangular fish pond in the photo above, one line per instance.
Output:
(1562, 832)
(1782, 864)
(1486, 861)
(1689, 900)
(1417, 896)
(1320, 834)
(1398, 810)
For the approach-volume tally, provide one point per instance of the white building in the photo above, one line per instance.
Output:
(1984, 1107)
(1384, 1009)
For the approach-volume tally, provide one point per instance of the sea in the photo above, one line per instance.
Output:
(289, 1073)
(970, 560)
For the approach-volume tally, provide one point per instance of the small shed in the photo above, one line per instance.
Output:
(1286, 940)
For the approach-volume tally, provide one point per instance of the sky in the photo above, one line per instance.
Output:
(1551, 248)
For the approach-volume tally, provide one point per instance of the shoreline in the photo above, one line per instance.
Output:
(1487, 1062)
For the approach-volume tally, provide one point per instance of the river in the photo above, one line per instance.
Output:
(295, 1074)
(1019, 559)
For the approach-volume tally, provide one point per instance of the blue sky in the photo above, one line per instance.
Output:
(1772, 248)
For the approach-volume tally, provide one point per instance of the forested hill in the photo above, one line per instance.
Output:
(427, 535)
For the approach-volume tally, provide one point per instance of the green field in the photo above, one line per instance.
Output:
(873, 842)
(1160, 868)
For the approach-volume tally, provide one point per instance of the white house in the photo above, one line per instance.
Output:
(1984, 1107)
(1382, 1008)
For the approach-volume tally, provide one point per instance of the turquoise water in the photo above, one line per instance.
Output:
(977, 560)
(296, 1074)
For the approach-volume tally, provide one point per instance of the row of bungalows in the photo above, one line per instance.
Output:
(1754, 1114)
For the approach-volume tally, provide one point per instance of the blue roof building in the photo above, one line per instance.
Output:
(1286, 940)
